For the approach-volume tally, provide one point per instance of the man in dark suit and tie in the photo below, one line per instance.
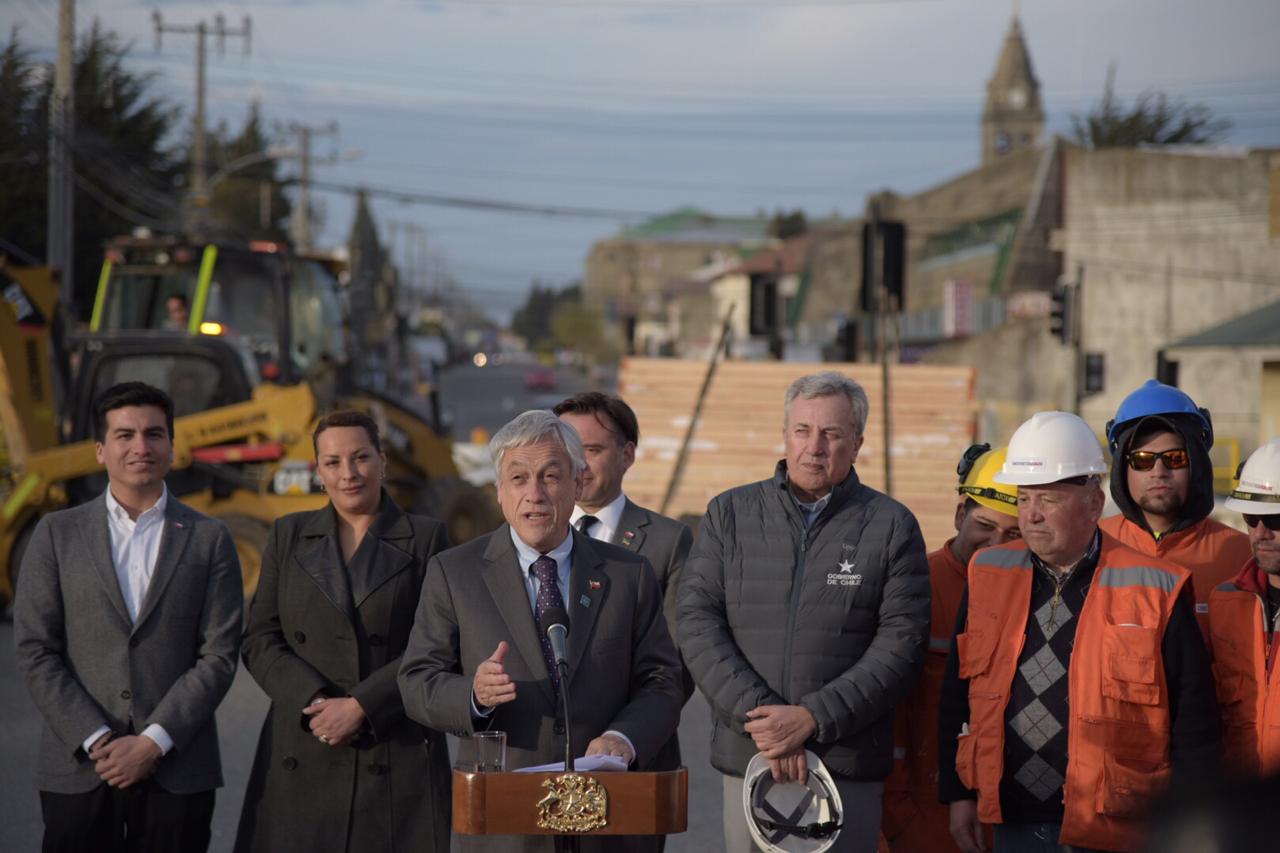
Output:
(476, 659)
(610, 435)
(127, 627)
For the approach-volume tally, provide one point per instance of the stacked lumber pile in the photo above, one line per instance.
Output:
(739, 436)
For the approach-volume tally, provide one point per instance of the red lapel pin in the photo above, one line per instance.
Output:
(593, 584)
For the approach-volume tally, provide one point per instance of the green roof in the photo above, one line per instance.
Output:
(1257, 328)
(691, 225)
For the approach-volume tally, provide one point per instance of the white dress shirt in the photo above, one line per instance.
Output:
(135, 547)
(608, 519)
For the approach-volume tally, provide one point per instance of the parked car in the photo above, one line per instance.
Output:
(540, 378)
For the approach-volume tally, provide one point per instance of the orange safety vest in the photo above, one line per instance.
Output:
(913, 819)
(1244, 668)
(1119, 729)
(1210, 550)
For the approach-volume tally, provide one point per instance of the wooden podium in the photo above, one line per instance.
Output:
(509, 803)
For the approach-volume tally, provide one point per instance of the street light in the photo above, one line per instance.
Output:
(253, 158)
(275, 152)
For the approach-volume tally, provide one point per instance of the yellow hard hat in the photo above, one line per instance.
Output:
(977, 472)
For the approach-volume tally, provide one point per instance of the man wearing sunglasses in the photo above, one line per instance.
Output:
(1162, 481)
(1244, 615)
(986, 515)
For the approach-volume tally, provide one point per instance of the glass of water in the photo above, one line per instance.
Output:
(491, 751)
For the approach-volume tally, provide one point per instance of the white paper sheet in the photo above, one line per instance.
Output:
(585, 764)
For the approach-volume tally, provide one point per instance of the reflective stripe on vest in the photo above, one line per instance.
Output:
(999, 558)
(1148, 576)
(1119, 725)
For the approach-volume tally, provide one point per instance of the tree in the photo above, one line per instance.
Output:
(532, 321)
(124, 174)
(575, 326)
(23, 149)
(1153, 119)
(238, 202)
(785, 225)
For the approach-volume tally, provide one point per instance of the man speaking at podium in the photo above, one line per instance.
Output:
(479, 658)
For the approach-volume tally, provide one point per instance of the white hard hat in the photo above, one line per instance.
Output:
(1052, 446)
(795, 817)
(1258, 492)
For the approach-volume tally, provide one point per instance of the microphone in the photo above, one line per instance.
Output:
(556, 621)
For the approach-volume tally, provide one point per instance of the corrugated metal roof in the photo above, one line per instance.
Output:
(1257, 328)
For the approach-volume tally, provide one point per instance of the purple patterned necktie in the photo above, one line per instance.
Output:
(544, 569)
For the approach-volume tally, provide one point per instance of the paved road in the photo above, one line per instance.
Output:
(488, 397)
(239, 720)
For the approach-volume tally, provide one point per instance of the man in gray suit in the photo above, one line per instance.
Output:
(127, 626)
(477, 660)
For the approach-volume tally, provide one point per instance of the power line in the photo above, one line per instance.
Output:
(497, 206)
(616, 90)
(45, 14)
(121, 210)
(401, 167)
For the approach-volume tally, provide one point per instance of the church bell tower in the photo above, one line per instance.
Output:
(1013, 118)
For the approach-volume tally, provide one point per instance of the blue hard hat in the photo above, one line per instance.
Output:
(1156, 399)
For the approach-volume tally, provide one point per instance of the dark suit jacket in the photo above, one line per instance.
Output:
(624, 673)
(317, 626)
(664, 542)
(87, 664)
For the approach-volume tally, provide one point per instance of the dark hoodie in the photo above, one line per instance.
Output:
(1200, 484)
(1211, 551)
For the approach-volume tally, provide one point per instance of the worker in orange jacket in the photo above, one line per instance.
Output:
(1162, 481)
(1077, 681)
(914, 821)
(1244, 615)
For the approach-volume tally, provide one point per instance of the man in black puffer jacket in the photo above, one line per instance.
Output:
(804, 614)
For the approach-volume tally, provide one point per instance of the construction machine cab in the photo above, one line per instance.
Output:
(283, 310)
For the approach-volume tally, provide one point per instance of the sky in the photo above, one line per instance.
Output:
(615, 110)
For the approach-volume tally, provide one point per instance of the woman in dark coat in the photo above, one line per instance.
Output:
(339, 767)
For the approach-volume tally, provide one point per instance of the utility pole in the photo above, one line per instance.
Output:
(199, 155)
(881, 291)
(301, 225)
(1076, 331)
(60, 222)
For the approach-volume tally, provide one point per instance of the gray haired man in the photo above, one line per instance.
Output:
(803, 614)
(477, 659)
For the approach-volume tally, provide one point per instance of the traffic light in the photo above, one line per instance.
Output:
(893, 241)
(763, 318)
(1062, 312)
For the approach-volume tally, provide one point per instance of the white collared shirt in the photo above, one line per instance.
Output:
(608, 519)
(135, 547)
(561, 554)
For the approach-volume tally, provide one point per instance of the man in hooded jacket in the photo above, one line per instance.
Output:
(1162, 481)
